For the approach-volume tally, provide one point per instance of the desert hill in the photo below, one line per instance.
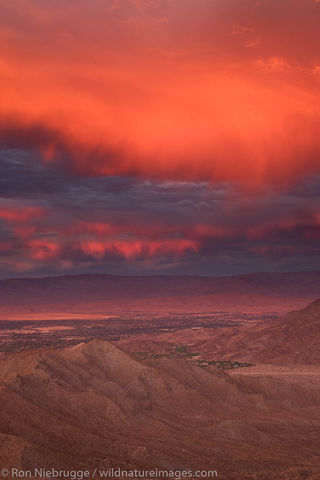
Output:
(93, 405)
(291, 339)
(104, 293)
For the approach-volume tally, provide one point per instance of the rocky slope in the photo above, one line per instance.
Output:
(95, 406)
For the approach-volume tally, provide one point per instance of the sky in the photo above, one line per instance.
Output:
(159, 136)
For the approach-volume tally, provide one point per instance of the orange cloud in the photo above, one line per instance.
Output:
(164, 89)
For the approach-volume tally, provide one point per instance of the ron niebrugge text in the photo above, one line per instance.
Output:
(109, 473)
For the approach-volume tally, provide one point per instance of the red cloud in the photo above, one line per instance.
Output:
(20, 214)
(63, 241)
(42, 250)
(5, 247)
(138, 248)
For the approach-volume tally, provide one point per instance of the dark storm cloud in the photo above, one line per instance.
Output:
(23, 175)
(52, 220)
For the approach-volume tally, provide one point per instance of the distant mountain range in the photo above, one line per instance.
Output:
(102, 294)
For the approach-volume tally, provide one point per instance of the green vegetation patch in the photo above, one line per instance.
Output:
(182, 351)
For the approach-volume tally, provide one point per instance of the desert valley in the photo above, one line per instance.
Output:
(118, 385)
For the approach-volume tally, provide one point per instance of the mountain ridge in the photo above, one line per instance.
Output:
(95, 406)
(106, 293)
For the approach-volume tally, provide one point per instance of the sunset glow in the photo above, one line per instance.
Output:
(149, 135)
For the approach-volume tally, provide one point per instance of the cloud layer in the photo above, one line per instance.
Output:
(55, 223)
(171, 90)
(169, 136)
